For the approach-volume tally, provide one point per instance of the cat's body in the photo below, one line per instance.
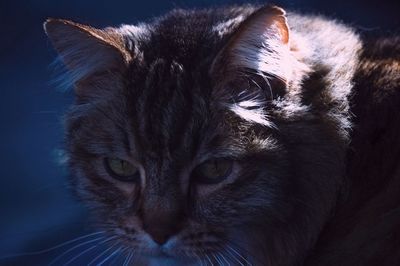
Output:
(236, 87)
(366, 227)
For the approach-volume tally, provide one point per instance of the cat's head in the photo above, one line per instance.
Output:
(191, 136)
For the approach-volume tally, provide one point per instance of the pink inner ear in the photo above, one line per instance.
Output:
(283, 29)
(261, 44)
(267, 23)
(278, 19)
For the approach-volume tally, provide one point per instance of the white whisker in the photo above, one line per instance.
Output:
(216, 257)
(75, 247)
(119, 255)
(109, 257)
(101, 254)
(52, 248)
(200, 260)
(235, 251)
(89, 249)
(80, 254)
(128, 259)
(208, 258)
(223, 257)
(234, 257)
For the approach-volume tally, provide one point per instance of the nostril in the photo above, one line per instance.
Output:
(159, 235)
(160, 239)
(161, 225)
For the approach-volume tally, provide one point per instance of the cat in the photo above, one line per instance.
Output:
(234, 136)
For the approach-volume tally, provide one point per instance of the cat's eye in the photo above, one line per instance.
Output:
(122, 170)
(213, 171)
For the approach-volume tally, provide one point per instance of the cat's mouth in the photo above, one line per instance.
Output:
(160, 252)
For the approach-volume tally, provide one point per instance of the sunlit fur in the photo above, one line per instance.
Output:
(185, 96)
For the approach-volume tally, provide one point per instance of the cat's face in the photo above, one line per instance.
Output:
(171, 171)
(194, 162)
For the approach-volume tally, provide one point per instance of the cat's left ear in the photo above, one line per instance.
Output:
(86, 50)
(259, 45)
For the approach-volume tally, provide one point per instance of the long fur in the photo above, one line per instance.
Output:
(195, 85)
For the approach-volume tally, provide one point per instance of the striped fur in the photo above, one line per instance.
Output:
(200, 84)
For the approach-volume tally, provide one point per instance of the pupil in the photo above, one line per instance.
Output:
(216, 168)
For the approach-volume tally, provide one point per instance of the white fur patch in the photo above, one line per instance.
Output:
(262, 50)
(132, 32)
(251, 109)
(225, 27)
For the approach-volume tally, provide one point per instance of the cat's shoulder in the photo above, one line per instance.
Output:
(370, 213)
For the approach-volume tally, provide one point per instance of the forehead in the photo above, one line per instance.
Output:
(170, 108)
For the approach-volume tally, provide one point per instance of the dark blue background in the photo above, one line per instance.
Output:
(36, 210)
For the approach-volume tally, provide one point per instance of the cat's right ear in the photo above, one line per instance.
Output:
(259, 45)
(86, 50)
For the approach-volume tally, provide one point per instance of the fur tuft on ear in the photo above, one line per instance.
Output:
(85, 50)
(260, 45)
(259, 52)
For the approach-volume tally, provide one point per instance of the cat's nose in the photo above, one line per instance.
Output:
(159, 235)
(162, 225)
(162, 217)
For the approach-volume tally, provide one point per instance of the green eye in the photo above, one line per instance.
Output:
(121, 169)
(213, 171)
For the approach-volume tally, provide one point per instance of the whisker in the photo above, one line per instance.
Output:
(128, 259)
(101, 254)
(238, 247)
(237, 252)
(118, 257)
(80, 254)
(75, 247)
(265, 78)
(109, 257)
(217, 257)
(132, 259)
(200, 260)
(255, 83)
(50, 249)
(89, 249)
(223, 257)
(208, 258)
(233, 256)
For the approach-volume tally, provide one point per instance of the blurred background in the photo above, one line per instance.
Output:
(36, 209)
